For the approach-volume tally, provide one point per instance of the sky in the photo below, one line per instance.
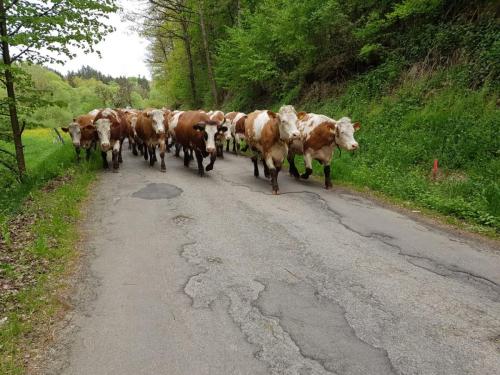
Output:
(123, 52)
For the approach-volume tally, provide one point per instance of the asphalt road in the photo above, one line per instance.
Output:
(214, 275)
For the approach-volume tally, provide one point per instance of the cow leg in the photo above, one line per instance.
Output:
(163, 148)
(266, 169)
(293, 168)
(308, 162)
(227, 145)
(87, 156)
(116, 156)
(104, 156)
(328, 179)
(235, 146)
(255, 161)
(145, 149)
(178, 151)
(220, 151)
(210, 166)
(77, 150)
(199, 159)
(152, 155)
(274, 174)
(120, 159)
(187, 158)
(134, 146)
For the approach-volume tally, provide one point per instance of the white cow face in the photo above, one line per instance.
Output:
(288, 123)
(156, 116)
(211, 130)
(344, 136)
(74, 132)
(103, 126)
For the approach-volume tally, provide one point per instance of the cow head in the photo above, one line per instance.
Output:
(223, 133)
(156, 116)
(103, 126)
(210, 130)
(74, 132)
(287, 116)
(344, 134)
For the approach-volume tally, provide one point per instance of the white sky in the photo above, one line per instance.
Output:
(123, 52)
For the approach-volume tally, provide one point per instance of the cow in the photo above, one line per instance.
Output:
(94, 112)
(131, 117)
(221, 137)
(236, 122)
(196, 132)
(268, 134)
(112, 129)
(83, 134)
(173, 120)
(319, 135)
(151, 130)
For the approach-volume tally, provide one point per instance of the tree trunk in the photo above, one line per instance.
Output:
(11, 94)
(187, 46)
(211, 79)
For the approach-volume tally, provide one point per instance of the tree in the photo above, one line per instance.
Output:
(45, 31)
(172, 22)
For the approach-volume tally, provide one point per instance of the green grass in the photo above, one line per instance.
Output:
(56, 207)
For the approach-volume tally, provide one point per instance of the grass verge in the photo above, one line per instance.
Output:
(38, 246)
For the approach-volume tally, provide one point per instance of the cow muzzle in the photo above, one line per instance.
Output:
(211, 150)
(354, 146)
(105, 147)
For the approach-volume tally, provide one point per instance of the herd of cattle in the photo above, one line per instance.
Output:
(272, 136)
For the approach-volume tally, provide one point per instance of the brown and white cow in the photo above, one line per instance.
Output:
(236, 129)
(221, 137)
(196, 132)
(112, 129)
(319, 135)
(151, 130)
(268, 133)
(173, 120)
(131, 117)
(83, 134)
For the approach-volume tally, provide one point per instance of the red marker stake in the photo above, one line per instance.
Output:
(435, 169)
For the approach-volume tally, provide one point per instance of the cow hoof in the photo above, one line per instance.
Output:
(276, 192)
(115, 170)
(163, 170)
(304, 176)
(209, 168)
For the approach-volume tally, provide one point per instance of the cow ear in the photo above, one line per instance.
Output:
(356, 126)
(199, 126)
(272, 114)
(65, 130)
(301, 115)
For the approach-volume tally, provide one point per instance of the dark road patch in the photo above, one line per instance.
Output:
(155, 191)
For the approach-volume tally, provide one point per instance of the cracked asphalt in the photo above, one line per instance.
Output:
(214, 275)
